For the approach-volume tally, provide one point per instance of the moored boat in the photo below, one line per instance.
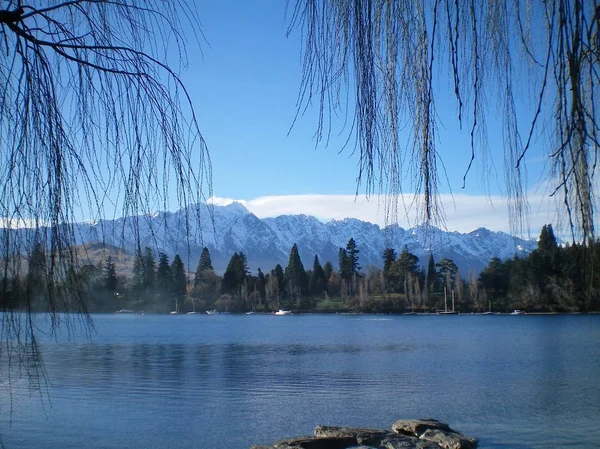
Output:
(283, 312)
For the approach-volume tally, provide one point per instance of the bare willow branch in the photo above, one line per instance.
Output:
(94, 119)
(382, 48)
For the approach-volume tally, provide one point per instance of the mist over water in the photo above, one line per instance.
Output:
(228, 381)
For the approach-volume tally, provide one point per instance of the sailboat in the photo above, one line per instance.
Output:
(193, 312)
(176, 311)
(489, 312)
(446, 311)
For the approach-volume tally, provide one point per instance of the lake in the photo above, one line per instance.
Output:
(229, 381)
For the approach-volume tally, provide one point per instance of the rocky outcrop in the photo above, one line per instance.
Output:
(405, 434)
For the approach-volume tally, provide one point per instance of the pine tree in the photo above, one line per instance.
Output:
(137, 276)
(235, 274)
(352, 252)
(261, 284)
(149, 269)
(389, 256)
(164, 275)
(35, 281)
(205, 262)
(343, 262)
(279, 276)
(317, 283)
(327, 270)
(110, 275)
(295, 277)
(179, 277)
(431, 272)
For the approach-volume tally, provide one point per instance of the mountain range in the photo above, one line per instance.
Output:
(267, 242)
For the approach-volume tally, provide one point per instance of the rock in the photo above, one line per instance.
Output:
(416, 427)
(407, 434)
(399, 441)
(362, 436)
(317, 443)
(449, 439)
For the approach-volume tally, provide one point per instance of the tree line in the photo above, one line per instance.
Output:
(550, 279)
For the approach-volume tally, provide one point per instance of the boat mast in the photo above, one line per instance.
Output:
(445, 300)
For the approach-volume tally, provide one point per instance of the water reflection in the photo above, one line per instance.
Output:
(233, 382)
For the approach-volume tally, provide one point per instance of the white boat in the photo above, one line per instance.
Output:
(212, 312)
(489, 312)
(125, 311)
(283, 312)
(176, 311)
(446, 311)
(250, 313)
(193, 312)
(518, 312)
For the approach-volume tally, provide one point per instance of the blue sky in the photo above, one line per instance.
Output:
(244, 85)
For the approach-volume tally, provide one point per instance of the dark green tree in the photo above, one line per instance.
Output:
(352, 261)
(148, 269)
(205, 262)
(235, 275)
(36, 279)
(495, 279)
(295, 279)
(110, 275)
(261, 284)
(389, 256)
(327, 270)
(179, 277)
(164, 276)
(317, 282)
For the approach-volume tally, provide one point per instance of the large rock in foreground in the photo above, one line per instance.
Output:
(405, 434)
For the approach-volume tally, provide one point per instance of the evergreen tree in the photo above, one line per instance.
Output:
(327, 270)
(205, 262)
(179, 277)
(164, 275)
(261, 284)
(149, 269)
(137, 276)
(343, 262)
(317, 283)
(389, 256)
(407, 262)
(110, 275)
(352, 252)
(279, 277)
(206, 282)
(235, 274)
(295, 277)
(35, 281)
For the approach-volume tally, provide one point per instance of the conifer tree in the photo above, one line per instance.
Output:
(389, 256)
(149, 269)
(279, 275)
(235, 274)
(327, 270)
(110, 275)
(295, 277)
(137, 273)
(205, 262)
(179, 277)
(35, 281)
(261, 284)
(352, 252)
(164, 275)
(317, 283)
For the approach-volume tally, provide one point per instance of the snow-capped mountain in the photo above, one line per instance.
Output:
(267, 242)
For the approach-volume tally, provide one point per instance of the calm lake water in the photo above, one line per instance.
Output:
(227, 381)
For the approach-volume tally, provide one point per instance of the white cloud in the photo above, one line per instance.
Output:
(463, 213)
